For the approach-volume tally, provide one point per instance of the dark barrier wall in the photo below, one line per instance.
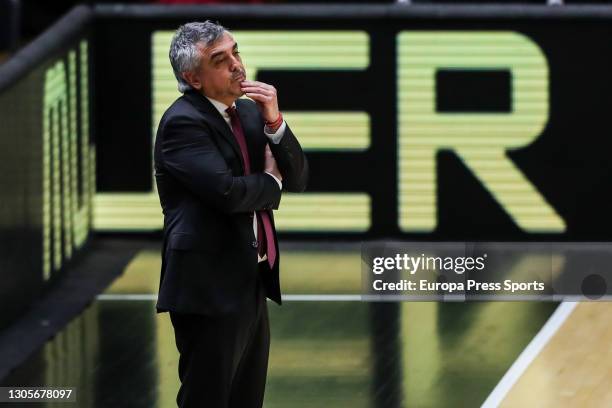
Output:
(420, 122)
(46, 161)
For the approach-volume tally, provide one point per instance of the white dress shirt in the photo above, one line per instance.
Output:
(273, 137)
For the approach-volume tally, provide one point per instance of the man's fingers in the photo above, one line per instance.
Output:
(259, 97)
(257, 83)
(255, 89)
(266, 86)
(263, 88)
(263, 85)
(260, 90)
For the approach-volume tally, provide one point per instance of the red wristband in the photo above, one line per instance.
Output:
(276, 124)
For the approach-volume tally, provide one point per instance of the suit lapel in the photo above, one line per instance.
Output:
(215, 119)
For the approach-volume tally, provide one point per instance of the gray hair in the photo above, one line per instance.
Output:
(184, 53)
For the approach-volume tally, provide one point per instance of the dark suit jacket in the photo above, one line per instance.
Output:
(209, 255)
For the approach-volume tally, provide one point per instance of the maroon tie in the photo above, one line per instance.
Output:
(265, 233)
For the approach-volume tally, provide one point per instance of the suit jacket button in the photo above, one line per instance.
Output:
(254, 244)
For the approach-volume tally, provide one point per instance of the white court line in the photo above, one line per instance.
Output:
(289, 298)
(532, 350)
(126, 296)
(322, 298)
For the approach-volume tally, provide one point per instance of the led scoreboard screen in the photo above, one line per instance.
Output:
(430, 125)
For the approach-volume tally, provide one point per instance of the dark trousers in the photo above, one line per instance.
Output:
(224, 360)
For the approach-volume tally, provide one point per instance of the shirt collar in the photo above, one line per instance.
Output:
(220, 106)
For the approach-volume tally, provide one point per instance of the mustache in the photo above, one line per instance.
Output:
(240, 73)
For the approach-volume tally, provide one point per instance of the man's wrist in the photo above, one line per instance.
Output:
(275, 137)
(272, 127)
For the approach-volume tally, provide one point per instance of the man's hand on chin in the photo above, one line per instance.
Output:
(265, 97)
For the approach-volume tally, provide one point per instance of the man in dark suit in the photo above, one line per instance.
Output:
(220, 165)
